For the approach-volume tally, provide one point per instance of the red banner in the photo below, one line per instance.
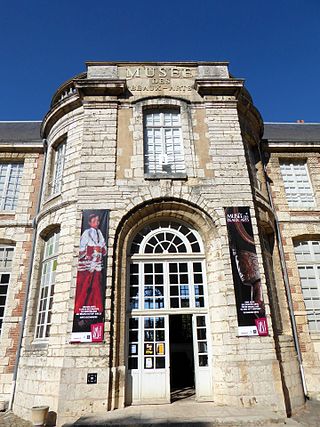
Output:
(88, 320)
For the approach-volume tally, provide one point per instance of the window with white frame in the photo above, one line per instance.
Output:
(167, 268)
(48, 276)
(10, 179)
(308, 260)
(6, 255)
(297, 183)
(163, 142)
(58, 165)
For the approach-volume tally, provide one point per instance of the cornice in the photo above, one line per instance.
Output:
(219, 86)
(100, 87)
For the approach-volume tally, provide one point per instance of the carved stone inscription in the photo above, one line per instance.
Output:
(155, 79)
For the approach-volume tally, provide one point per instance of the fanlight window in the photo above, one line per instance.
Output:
(166, 237)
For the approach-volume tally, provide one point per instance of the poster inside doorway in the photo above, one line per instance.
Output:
(245, 271)
(88, 318)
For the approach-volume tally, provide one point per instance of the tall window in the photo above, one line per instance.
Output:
(48, 275)
(58, 164)
(308, 260)
(163, 142)
(297, 183)
(10, 177)
(6, 255)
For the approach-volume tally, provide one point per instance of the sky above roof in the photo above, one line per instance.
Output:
(274, 45)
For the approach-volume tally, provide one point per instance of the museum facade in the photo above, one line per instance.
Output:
(156, 236)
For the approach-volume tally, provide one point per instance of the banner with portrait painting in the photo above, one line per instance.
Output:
(88, 318)
(245, 271)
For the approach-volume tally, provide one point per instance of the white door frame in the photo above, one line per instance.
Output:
(138, 379)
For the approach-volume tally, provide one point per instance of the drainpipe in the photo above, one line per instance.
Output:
(25, 303)
(286, 280)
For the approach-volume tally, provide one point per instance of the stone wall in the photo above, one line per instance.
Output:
(16, 230)
(104, 169)
(299, 224)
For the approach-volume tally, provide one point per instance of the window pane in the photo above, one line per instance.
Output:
(307, 255)
(297, 183)
(49, 266)
(163, 143)
(59, 156)
(10, 179)
(3, 296)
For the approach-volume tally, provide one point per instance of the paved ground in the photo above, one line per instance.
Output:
(187, 414)
(200, 415)
(8, 419)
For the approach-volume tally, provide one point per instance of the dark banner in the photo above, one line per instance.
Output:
(246, 275)
(88, 320)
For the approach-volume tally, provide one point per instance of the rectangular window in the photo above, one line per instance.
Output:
(308, 260)
(297, 184)
(133, 343)
(153, 286)
(202, 340)
(163, 143)
(48, 273)
(154, 343)
(10, 178)
(6, 256)
(58, 165)
(179, 285)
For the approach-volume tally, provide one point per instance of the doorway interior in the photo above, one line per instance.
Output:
(182, 375)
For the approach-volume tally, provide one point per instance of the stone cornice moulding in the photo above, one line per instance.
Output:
(100, 87)
(21, 147)
(219, 86)
(291, 146)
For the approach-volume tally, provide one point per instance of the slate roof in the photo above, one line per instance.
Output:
(20, 132)
(286, 132)
(292, 132)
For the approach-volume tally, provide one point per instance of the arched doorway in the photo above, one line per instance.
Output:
(167, 323)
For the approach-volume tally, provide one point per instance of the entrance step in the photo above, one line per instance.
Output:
(189, 414)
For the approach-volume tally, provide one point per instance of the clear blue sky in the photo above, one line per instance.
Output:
(273, 44)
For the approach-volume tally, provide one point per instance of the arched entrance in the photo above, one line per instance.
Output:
(167, 324)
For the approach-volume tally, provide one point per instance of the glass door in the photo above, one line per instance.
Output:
(148, 359)
(203, 378)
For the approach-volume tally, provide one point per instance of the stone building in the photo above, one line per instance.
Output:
(164, 149)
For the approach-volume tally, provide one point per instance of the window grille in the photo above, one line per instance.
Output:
(308, 260)
(10, 179)
(297, 184)
(163, 142)
(48, 273)
(6, 256)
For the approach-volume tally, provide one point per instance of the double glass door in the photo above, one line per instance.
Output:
(165, 353)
